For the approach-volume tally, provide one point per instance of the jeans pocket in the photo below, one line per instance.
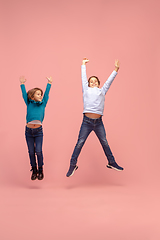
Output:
(39, 131)
(26, 131)
(86, 121)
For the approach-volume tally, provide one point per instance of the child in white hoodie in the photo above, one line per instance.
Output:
(93, 100)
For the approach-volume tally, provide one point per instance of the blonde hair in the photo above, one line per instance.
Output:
(32, 91)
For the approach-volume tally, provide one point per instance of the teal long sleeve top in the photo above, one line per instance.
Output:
(35, 110)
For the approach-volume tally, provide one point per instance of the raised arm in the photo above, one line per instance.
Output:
(23, 89)
(46, 94)
(109, 81)
(83, 74)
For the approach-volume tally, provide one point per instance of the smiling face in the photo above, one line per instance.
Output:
(93, 82)
(37, 96)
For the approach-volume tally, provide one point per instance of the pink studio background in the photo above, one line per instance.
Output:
(50, 38)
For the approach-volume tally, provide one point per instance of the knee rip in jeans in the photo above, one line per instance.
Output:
(80, 143)
(104, 142)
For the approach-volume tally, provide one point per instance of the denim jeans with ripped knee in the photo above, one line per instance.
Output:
(89, 125)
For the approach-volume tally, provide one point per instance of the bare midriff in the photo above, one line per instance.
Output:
(34, 125)
(92, 115)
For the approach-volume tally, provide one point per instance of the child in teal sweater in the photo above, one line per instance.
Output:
(36, 104)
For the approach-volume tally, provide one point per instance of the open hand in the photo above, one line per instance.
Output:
(22, 80)
(117, 63)
(49, 79)
(84, 61)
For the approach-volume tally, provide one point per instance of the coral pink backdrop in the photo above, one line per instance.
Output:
(50, 38)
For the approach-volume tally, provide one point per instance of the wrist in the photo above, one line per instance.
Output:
(83, 63)
(116, 69)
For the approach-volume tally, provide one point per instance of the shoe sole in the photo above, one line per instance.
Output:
(114, 168)
(73, 171)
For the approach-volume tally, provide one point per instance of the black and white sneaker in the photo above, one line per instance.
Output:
(115, 166)
(71, 170)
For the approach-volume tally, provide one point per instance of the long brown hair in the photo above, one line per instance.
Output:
(32, 91)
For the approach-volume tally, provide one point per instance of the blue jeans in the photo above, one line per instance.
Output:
(89, 125)
(34, 139)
